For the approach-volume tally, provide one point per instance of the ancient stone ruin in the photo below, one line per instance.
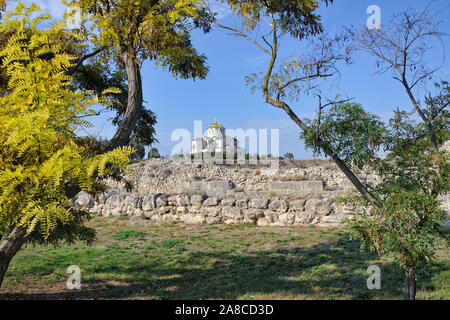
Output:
(301, 193)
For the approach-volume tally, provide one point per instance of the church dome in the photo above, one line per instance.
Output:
(216, 125)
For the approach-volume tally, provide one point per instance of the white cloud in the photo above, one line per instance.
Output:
(221, 9)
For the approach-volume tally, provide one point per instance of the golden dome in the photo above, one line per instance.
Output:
(216, 125)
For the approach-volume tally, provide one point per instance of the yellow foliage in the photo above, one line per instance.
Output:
(39, 113)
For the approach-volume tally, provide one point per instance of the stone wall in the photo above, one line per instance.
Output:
(166, 190)
(198, 209)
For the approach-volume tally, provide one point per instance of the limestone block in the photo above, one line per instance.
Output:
(84, 200)
(333, 219)
(210, 211)
(297, 205)
(253, 214)
(172, 201)
(161, 201)
(263, 222)
(211, 202)
(311, 205)
(182, 200)
(232, 213)
(197, 201)
(312, 187)
(193, 219)
(302, 218)
(287, 218)
(228, 202)
(101, 198)
(182, 210)
(278, 205)
(272, 216)
(212, 220)
(163, 210)
(114, 201)
(259, 203)
(149, 202)
(242, 203)
(117, 211)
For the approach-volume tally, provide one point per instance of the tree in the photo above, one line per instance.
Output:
(153, 154)
(41, 166)
(409, 225)
(401, 46)
(415, 173)
(344, 131)
(290, 79)
(134, 31)
(289, 156)
(94, 74)
(2, 7)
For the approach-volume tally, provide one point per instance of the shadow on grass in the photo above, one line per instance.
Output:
(335, 270)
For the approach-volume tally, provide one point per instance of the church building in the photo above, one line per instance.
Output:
(216, 142)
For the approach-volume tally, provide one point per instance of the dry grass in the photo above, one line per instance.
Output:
(138, 259)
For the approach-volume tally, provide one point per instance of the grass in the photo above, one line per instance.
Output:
(136, 259)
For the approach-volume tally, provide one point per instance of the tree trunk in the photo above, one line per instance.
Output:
(135, 102)
(410, 285)
(8, 249)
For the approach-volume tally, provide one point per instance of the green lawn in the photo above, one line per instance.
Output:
(136, 259)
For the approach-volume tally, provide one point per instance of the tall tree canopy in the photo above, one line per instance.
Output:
(41, 165)
(134, 31)
(401, 215)
(92, 73)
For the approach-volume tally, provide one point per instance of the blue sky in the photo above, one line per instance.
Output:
(225, 97)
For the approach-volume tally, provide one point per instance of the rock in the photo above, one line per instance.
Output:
(193, 219)
(242, 203)
(287, 218)
(182, 200)
(172, 201)
(232, 213)
(302, 218)
(263, 222)
(213, 220)
(163, 210)
(182, 210)
(228, 202)
(84, 200)
(114, 201)
(211, 202)
(211, 211)
(101, 198)
(259, 203)
(272, 216)
(149, 203)
(333, 220)
(311, 205)
(278, 205)
(297, 205)
(197, 201)
(118, 211)
(253, 214)
(161, 201)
